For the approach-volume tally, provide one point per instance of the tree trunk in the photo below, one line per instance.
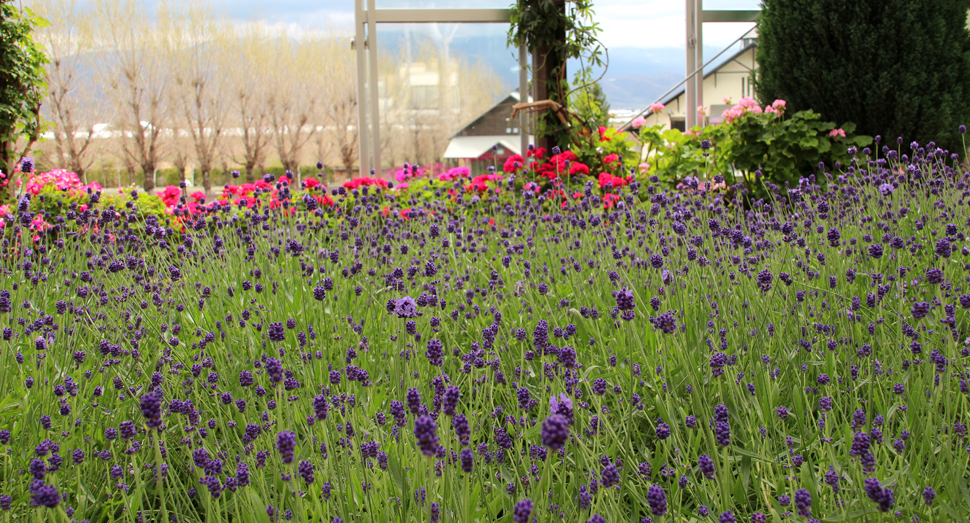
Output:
(550, 71)
(149, 169)
(206, 182)
(249, 171)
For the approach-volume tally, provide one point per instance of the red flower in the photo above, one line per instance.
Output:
(605, 178)
(610, 158)
(310, 183)
(609, 199)
(559, 160)
(578, 168)
(538, 153)
(513, 163)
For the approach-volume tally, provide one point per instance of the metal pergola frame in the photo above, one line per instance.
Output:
(696, 16)
(365, 22)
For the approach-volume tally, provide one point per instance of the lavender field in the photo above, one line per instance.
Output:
(495, 352)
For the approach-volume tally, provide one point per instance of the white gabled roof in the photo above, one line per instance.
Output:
(475, 146)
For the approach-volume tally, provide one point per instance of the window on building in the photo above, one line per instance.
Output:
(678, 123)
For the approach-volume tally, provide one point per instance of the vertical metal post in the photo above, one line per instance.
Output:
(523, 97)
(691, 16)
(699, 58)
(375, 111)
(362, 128)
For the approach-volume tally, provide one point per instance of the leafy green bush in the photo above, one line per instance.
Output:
(894, 67)
(783, 148)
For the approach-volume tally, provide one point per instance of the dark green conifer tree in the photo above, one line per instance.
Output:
(894, 67)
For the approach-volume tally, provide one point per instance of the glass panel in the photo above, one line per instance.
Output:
(445, 81)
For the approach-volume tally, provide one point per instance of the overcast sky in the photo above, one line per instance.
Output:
(625, 23)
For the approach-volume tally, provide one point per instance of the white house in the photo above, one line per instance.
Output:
(730, 79)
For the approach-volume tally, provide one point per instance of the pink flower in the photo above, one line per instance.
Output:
(38, 224)
(837, 132)
(656, 107)
(770, 110)
(748, 102)
(733, 113)
(639, 122)
(779, 105)
(701, 110)
(644, 167)
(454, 173)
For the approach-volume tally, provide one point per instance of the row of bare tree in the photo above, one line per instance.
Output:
(179, 87)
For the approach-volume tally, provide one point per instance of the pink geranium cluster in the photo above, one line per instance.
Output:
(61, 179)
(364, 182)
(454, 173)
(750, 105)
(408, 172)
(170, 196)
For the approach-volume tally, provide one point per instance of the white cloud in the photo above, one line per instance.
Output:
(661, 23)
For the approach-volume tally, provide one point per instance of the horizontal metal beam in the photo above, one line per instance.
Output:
(423, 16)
(730, 16)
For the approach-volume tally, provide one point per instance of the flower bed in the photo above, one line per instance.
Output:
(496, 348)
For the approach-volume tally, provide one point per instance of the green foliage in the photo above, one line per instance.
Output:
(22, 82)
(145, 204)
(894, 67)
(783, 148)
(589, 102)
(539, 23)
(54, 202)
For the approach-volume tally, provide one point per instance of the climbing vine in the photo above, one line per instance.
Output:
(22, 85)
(558, 31)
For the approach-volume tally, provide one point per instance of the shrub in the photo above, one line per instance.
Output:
(894, 67)
(751, 139)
